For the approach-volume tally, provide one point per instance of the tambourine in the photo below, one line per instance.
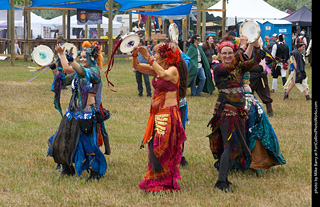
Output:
(173, 32)
(250, 29)
(42, 55)
(67, 47)
(128, 42)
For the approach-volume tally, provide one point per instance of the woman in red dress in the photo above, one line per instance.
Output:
(164, 134)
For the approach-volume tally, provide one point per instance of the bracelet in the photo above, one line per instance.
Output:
(150, 60)
(242, 49)
(134, 55)
(256, 47)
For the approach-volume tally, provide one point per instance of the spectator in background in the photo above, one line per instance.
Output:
(120, 35)
(199, 72)
(151, 48)
(60, 40)
(145, 76)
(209, 49)
(280, 51)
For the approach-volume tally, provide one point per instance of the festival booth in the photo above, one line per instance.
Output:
(270, 27)
(56, 23)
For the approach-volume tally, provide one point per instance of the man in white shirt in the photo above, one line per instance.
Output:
(280, 51)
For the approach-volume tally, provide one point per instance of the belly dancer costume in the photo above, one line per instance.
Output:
(164, 136)
(227, 140)
(81, 129)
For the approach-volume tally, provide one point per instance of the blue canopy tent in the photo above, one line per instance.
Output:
(178, 10)
(4, 5)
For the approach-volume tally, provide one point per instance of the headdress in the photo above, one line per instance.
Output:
(227, 44)
(172, 58)
(93, 49)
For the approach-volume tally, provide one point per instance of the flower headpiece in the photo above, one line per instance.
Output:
(172, 58)
(92, 48)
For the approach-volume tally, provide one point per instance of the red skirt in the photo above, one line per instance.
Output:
(166, 148)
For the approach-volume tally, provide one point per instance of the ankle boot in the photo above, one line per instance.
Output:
(93, 175)
(67, 170)
(308, 97)
(286, 96)
(222, 185)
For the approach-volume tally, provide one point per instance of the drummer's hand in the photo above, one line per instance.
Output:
(243, 40)
(256, 43)
(144, 52)
(59, 49)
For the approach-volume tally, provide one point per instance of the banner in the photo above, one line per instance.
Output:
(87, 17)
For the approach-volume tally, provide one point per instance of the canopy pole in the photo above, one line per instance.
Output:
(224, 5)
(64, 23)
(203, 23)
(110, 28)
(68, 25)
(98, 31)
(198, 16)
(148, 26)
(130, 22)
(25, 31)
(12, 60)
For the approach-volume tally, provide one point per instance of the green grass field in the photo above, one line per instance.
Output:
(29, 178)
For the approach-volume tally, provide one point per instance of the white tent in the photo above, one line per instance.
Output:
(248, 9)
(56, 23)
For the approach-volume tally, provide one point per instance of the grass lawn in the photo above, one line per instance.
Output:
(29, 178)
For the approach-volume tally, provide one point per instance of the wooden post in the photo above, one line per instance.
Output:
(224, 5)
(86, 31)
(110, 28)
(98, 31)
(130, 22)
(68, 25)
(25, 31)
(12, 60)
(185, 33)
(148, 26)
(64, 23)
(203, 23)
(198, 17)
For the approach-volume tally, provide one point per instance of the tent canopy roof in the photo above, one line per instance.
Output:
(302, 17)
(248, 9)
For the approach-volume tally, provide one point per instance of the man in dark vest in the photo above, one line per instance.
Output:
(280, 51)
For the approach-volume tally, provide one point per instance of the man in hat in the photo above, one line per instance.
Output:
(280, 51)
(60, 40)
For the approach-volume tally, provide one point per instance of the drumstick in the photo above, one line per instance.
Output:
(264, 86)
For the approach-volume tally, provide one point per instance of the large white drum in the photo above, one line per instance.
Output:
(42, 55)
(129, 41)
(250, 29)
(67, 48)
(173, 32)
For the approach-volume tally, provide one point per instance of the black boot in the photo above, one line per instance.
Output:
(286, 96)
(308, 97)
(228, 182)
(222, 185)
(67, 170)
(183, 162)
(93, 175)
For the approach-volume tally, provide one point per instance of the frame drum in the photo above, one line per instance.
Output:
(42, 55)
(129, 41)
(251, 30)
(173, 32)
